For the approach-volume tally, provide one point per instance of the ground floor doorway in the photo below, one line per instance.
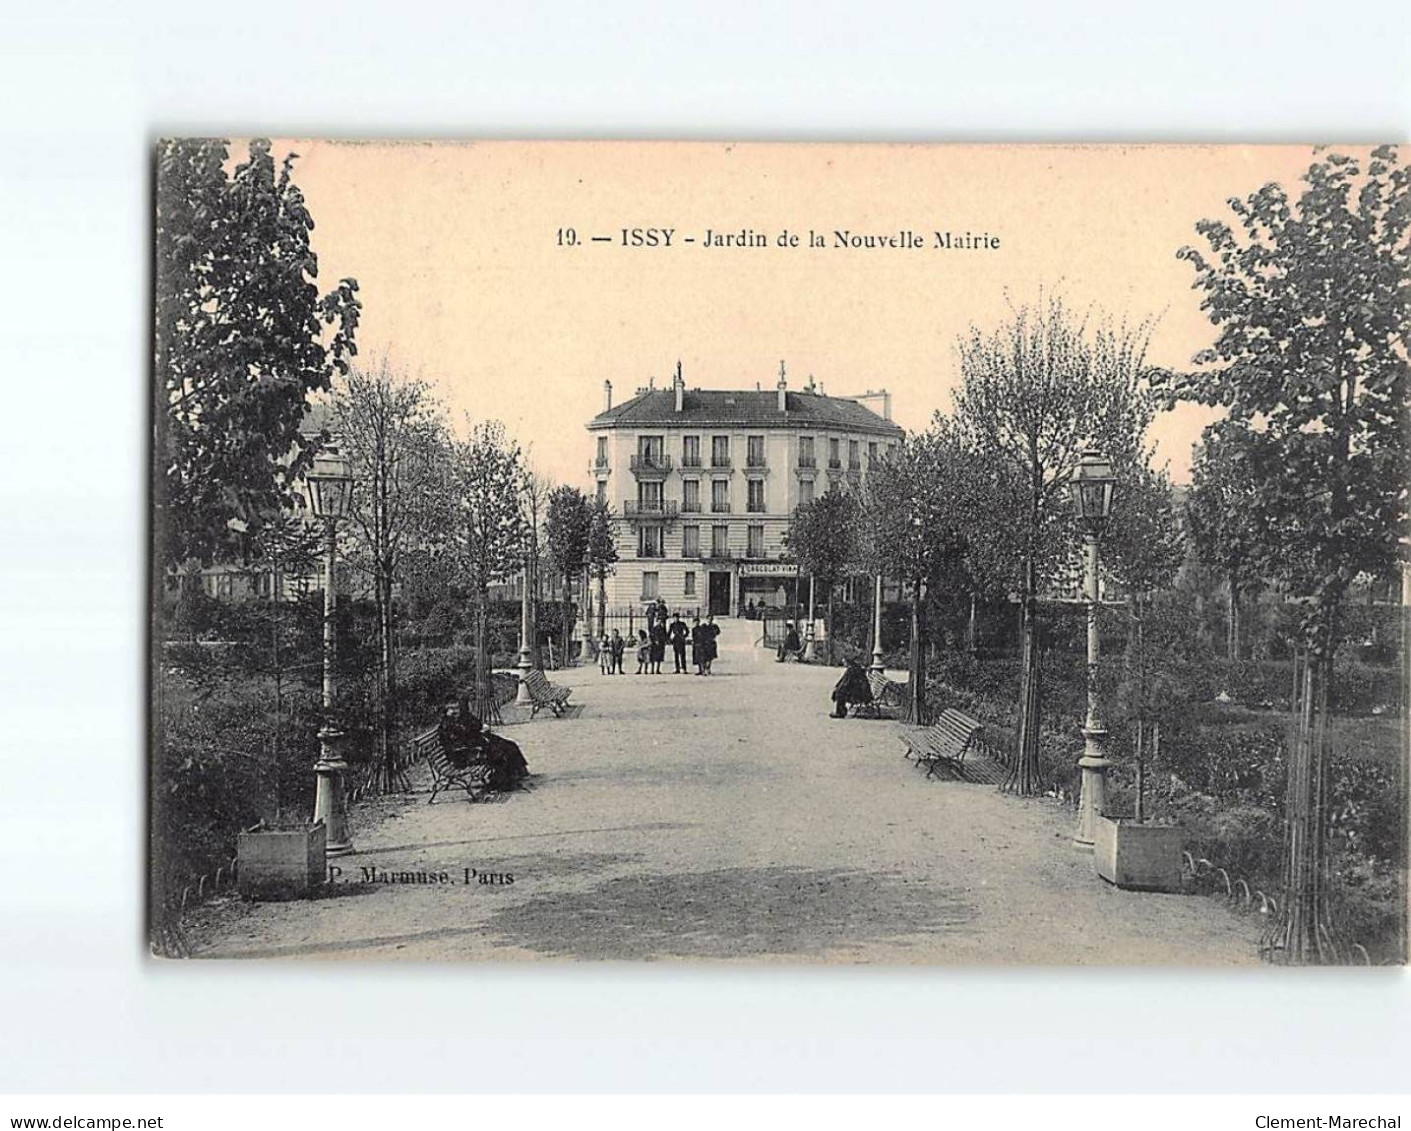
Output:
(719, 594)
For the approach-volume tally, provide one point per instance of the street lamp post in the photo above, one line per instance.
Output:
(330, 483)
(877, 629)
(526, 652)
(1092, 486)
(810, 649)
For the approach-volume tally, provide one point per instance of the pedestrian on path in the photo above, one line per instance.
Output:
(678, 633)
(618, 646)
(698, 645)
(605, 655)
(658, 644)
(644, 652)
(709, 631)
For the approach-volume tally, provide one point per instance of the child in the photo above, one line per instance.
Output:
(605, 655)
(644, 651)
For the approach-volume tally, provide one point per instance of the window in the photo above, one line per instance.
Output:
(690, 451)
(805, 490)
(720, 496)
(649, 497)
(602, 491)
(602, 460)
(651, 586)
(871, 453)
(649, 542)
(756, 499)
(854, 459)
(690, 542)
(754, 456)
(756, 542)
(834, 459)
(719, 541)
(691, 495)
(649, 448)
(806, 452)
(690, 589)
(720, 451)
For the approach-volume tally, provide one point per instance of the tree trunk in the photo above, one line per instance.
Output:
(569, 617)
(1302, 936)
(387, 627)
(830, 622)
(917, 697)
(485, 705)
(602, 602)
(1025, 778)
(971, 626)
(1232, 639)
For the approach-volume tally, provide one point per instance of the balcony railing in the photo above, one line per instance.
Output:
(756, 461)
(651, 464)
(756, 508)
(691, 506)
(661, 508)
(720, 461)
(719, 508)
(691, 461)
(854, 465)
(808, 461)
(835, 465)
(694, 552)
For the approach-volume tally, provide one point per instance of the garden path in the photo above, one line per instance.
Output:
(726, 818)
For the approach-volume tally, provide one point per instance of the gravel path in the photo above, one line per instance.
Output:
(728, 817)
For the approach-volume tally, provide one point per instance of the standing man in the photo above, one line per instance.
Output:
(698, 645)
(678, 634)
(618, 647)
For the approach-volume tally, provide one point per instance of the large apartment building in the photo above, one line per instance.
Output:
(702, 483)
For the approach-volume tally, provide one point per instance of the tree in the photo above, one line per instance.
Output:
(1035, 392)
(395, 437)
(1144, 549)
(824, 537)
(241, 340)
(602, 554)
(1223, 514)
(534, 498)
(915, 531)
(1312, 298)
(569, 523)
(490, 535)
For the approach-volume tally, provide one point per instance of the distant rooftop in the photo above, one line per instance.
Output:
(703, 407)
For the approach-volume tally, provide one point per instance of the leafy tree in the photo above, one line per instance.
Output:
(489, 535)
(916, 531)
(1224, 516)
(395, 437)
(569, 523)
(602, 553)
(242, 337)
(1312, 298)
(1035, 392)
(534, 499)
(824, 536)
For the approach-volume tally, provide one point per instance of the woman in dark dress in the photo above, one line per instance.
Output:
(698, 645)
(852, 687)
(658, 645)
(709, 631)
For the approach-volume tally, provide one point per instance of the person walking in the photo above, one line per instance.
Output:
(617, 647)
(678, 634)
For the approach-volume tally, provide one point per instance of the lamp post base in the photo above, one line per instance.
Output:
(1092, 796)
(330, 797)
(522, 697)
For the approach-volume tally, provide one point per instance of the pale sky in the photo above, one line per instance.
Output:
(456, 251)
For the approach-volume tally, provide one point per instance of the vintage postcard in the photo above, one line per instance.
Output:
(779, 553)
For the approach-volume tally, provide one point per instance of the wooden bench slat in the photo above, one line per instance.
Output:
(948, 739)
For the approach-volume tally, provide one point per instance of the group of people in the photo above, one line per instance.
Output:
(652, 642)
(466, 742)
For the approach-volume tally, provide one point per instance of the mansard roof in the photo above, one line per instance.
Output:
(702, 408)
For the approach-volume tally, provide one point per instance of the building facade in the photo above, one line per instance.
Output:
(701, 483)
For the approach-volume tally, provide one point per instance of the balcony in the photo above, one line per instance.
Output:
(693, 553)
(651, 466)
(660, 508)
(720, 462)
(691, 506)
(757, 463)
(719, 508)
(835, 465)
(691, 461)
(600, 466)
(756, 508)
(810, 462)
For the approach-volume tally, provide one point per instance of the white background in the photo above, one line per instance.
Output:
(83, 90)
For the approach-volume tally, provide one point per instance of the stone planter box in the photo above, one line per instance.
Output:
(281, 861)
(1145, 857)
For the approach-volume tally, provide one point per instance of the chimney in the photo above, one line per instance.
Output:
(678, 386)
(607, 396)
(886, 405)
(783, 388)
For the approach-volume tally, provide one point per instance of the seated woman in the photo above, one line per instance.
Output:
(505, 761)
(851, 688)
(455, 735)
(791, 645)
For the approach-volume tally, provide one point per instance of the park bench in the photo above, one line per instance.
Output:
(444, 775)
(885, 694)
(543, 694)
(947, 740)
